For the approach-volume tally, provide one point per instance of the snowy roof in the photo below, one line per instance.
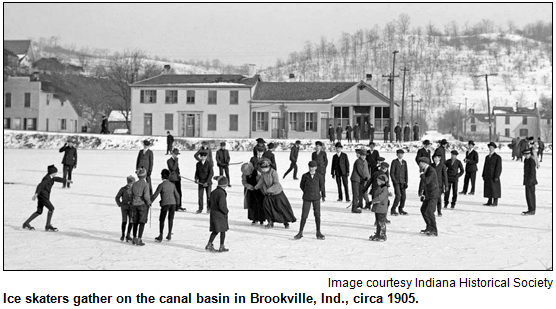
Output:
(300, 91)
(482, 117)
(117, 115)
(18, 47)
(199, 80)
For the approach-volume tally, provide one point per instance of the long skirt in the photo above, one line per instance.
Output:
(277, 208)
(254, 203)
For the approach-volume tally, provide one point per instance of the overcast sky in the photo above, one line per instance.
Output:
(235, 33)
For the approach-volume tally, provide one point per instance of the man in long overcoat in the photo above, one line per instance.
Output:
(406, 132)
(416, 132)
(371, 133)
(491, 176)
(398, 131)
(356, 132)
(340, 171)
(145, 159)
(339, 132)
(529, 181)
(331, 133)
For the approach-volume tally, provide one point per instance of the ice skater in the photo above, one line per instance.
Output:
(294, 153)
(399, 176)
(491, 176)
(43, 194)
(252, 199)
(175, 177)
(429, 194)
(269, 154)
(223, 161)
(380, 206)
(442, 177)
(145, 159)
(169, 143)
(454, 169)
(441, 150)
(69, 162)
(203, 178)
(359, 178)
(218, 215)
(529, 181)
(322, 162)
(276, 205)
(348, 133)
(169, 197)
(140, 206)
(206, 149)
(340, 171)
(124, 200)
(312, 186)
(471, 160)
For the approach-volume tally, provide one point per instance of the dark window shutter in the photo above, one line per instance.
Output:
(314, 122)
(265, 121)
(286, 121)
(254, 122)
(142, 100)
(301, 122)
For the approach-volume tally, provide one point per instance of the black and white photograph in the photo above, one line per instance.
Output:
(278, 136)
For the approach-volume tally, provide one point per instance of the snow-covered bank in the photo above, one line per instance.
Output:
(49, 140)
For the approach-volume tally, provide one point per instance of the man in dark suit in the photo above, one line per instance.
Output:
(540, 149)
(145, 159)
(260, 143)
(69, 161)
(169, 143)
(340, 171)
(312, 185)
(322, 162)
(398, 131)
(372, 158)
(471, 160)
(454, 169)
(203, 178)
(406, 132)
(529, 181)
(331, 132)
(442, 182)
(441, 150)
(359, 178)
(424, 152)
(429, 194)
(398, 174)
(491, 176)
(386, 133)
(294, 153)
(339, 132)
(223, 161)
(416, 132)
(356, 132)
(371, 133)
(104, 126)
(348, 133)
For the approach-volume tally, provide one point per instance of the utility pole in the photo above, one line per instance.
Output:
(412, 95)
(488, 104)
(458, 123)
(403, 94)
(391, 80)
(465, 120)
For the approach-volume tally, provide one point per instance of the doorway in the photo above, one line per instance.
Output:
(189, 125)
(148, 124)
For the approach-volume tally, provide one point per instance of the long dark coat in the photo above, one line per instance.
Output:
(471, 160)
(406, 133)
(356, 131)
(529, 172)
(70, 155)
(218, 210)
(491, 176)
(322, 161)
(423, 152)
(331, 134)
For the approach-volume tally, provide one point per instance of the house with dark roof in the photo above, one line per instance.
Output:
(476, 126)
(23, 49)
(33, 104)
(192, 105)
(546, 127)
(510, 122)
(304, 110)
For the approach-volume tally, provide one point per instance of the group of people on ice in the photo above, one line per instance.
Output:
(367, 131)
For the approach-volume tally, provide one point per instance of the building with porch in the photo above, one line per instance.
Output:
(518, 122)
(192, 105)
(303, 110)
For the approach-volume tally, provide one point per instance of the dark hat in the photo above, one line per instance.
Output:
(372, 143)
(298, 142)
(222, 180)
(424, 159)
(52, 169)
(492, 144)
(264, 162)
(455, 152)
(130, 179)
(361, 151)
(471, 143)
(426, 142)
(141, 172)
(312, 163)
(443, 142)
(259, 149)
(318, 143)
(146, 143)
(338, 145)
(400, 151)
(531, 138)
(526, 151)
(176, 151)
(260, 140)
(380, 159)
(384, 164)
(271, 146)
(204, 143)
(222, 143)
(203, 153)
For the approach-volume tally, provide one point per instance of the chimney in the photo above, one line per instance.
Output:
(368, 78)
(167, 69)
(252, 70)
(516, 106)
(535, 105)
(35, 76)
(471, 111)
(292, 77)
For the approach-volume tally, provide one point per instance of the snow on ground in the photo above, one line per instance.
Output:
(471, 236)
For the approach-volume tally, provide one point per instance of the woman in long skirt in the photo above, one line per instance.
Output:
(253, 199)
(277, 208)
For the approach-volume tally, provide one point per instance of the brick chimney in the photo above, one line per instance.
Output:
(516, 106)
(167, 69)
(292, 77)
(368, 78)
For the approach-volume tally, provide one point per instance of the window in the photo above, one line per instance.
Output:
(507, 133)
(171, 96)
(507, 120)
(523, 132)
(472, 119)
(234, 119)
(259, 121)
(548, 121)
(473, 128)
(212, 97)
(190, 97)
(63, 124)
(148, 96)
(525, 120)
(47, 124)
(168, 121)
(294, 123)
(48, 99)
(7, 123)
(30, 123)
(382, 117)
(311, 122)
(234, 97)
(27, 100)
(211, 122)
(8, 100)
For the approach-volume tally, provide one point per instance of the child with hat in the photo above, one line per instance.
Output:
(312, 186)
(124, 200)
(218, 214)
(203, 176)
(169, 197)
(380, 204)
(175, 177)
(223, 161)
(252, 199)
(140, 206)
(43, 194)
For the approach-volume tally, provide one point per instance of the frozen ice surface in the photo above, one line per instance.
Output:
(471, 237)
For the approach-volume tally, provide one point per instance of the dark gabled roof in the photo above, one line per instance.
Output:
(503, 108)
(482, 117)
(18, 47)
(178, 79)
(8, 52)
(300, 91)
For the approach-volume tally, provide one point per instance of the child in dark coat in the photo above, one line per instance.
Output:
(380, 205)
(124, 200)
(312, 186)
(43, 194)
(218, 214)
(169, 198)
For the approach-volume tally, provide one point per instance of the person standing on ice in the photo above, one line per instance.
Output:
(169, 143)
(169, 197)
(175, 177)
(43, 194)
(454, 169)
(441, 150)
(145, 159)
(398, 131)
(529, 181)
(252, 199)
(218, 215)
(380, 205)
(491, 176)
(331, 132)
(322, 162)
(406, 132)
(340, 171)
(269, 154)
(339, 132)
(348, 133)
(312, 185)
(69, 162)
(204, 148)
(399, 176)
(276, 205)
(203, 176)
(140, 206)
(356, 132)
(124, 200)
(416, 132)
(429, 195)
(424, 152)
(294, 153)
(471, 160)
(371, 133)
(223, 161)
(540, 149)
(359, 178)
(442, 176)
